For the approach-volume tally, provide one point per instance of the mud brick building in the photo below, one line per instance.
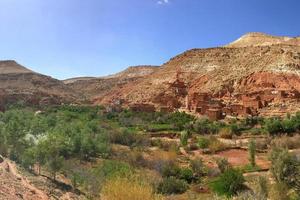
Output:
(214, 114)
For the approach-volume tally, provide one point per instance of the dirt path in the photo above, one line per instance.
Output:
(14, 186)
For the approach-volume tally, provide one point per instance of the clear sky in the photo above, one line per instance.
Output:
(67, 38)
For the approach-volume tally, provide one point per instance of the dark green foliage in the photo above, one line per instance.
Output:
(273, 126)
(171, 185)
(203, 142)
(186, 174)
(152, 121)
(229, 183)
(172, 170)
(204, 126)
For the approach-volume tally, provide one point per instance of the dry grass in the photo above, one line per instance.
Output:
(128, 189)
(225, 133)
(287, 142)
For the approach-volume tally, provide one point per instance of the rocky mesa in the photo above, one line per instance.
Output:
(257, 74)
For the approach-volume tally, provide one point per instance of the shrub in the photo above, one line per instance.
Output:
(171, 185)
(170, 170)
(126, 188)
(204, 126)
(225, 133)
(235, 129)
(229, 183)
(198, 168)
(289, 126)
(285, 168)
(223, 164)
(203, 142)
(129, 138)
(273, 126)
(186, 174)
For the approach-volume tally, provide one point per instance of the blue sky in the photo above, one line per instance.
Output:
(68, 38)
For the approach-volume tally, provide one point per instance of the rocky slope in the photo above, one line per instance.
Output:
(261, 39)
(254, 63)
(19, 84)
(93, 87)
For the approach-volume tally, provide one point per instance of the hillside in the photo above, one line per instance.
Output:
(261, 39)
(19, 84)
(93, 87)
(252, 65)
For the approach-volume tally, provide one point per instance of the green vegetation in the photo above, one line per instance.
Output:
(229, 183)
(105, 155)
(285, 168)
(171, 185)
(252, 152)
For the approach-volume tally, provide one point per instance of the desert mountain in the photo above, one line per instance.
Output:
(261, 39)
(18, 83)
(93, 87)
(254, 66)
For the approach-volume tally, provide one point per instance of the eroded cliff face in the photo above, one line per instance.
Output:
(256, 63)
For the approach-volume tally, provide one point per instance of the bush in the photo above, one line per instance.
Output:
(171, 185)
(273, 126)
(186, 174)
(203, 142)
(204, 126)
(223, 164)
(225, 133)
(235, 129)
(170, 170)
(198, 168)
(285, 168)
(229, 183)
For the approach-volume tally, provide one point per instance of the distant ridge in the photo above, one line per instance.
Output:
(262, 39)
(12, 67)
